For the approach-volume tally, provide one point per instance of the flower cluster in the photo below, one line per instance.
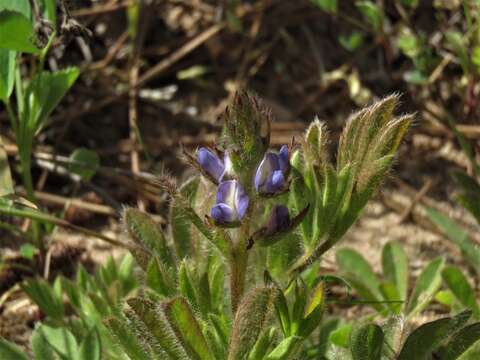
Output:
(232, 201)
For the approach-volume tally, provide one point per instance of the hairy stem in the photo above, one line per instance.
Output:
(238, 266)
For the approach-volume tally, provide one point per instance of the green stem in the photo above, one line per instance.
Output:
(238, 265)
(28, 183)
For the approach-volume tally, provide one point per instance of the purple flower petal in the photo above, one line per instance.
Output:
(222, 213)
(278, 181)
(269, 164)
(226, 193)
(279, 220)
(284, 159)
(210, 163)
(241, 202)
(231, 199)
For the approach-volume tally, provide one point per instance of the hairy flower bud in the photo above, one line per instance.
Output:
(279, 224)
(211, 165)
(231, 203)
(247, 135)
(314, 143)
(272, 173)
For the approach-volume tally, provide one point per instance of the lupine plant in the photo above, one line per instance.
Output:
(253, 214)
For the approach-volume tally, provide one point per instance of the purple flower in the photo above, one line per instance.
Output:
(211, 164)
(272, 173)
(278, 225)
(231, 203)
(279, 220)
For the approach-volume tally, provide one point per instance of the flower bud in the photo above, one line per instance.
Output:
(247, 132)
(231, 203)
(272, 173)
(211, 165)
(314, 144)
(279, 224)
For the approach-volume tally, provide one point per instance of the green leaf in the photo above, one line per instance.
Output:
(326, 328)
(186, 285)
(261, 347)
(84, 162)
(469, 196)
(410, 45)
(410, 3)
(40, 347)
(6, 182)
(457, 43)
(427, 284)
(476, 57)
(28, 251)
(186, 328)
(7, 73)
(250, 318)
(329, 6)
(462, 341)
(393, 330)
(61, 340)
(352, 41)
(390, 293)
(90, 348)
(159, 279)
(460, 287)
(366, 342)
(360, 274)
(446, 297)
(147, 233)
(285, 349)
(313, 311)
(372, 13)
(395, 268)
(154, 320)
(341, 335)
(49, 8)
(423, 340)
(469, 249)
(122, 335)
(16, 32)
(45, 297)
(42, 96)
(10, 351)
(21, 6)
(181, 225)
